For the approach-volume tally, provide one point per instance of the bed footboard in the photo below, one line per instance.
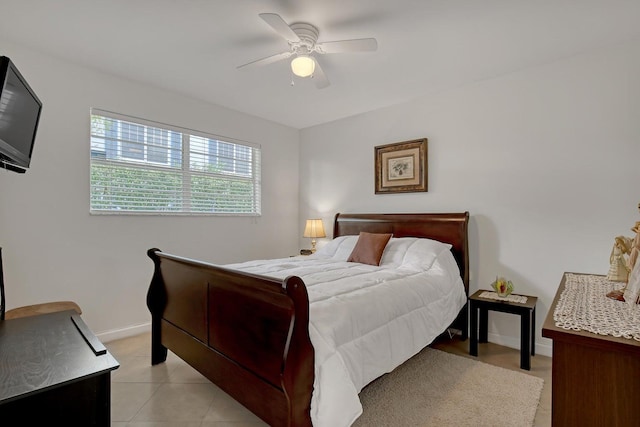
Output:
(246, 333)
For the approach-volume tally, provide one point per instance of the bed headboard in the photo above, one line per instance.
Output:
(446, 227)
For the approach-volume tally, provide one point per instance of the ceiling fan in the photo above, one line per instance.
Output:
(303, 45)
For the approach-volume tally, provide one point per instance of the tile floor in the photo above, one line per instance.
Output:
(173, 394)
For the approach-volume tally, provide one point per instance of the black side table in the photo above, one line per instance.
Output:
(527, 312)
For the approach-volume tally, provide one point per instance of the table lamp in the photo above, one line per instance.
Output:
(314, 228)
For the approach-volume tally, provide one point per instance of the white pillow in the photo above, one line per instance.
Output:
(413, 252)
(339, 248)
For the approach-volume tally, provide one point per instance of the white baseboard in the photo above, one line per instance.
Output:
(514, 342)
(127, 332)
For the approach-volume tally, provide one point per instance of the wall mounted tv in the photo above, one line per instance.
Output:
(19, 116)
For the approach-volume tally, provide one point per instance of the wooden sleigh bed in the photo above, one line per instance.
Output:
(249, 334)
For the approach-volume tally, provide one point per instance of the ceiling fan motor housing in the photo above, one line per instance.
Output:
(308, 34)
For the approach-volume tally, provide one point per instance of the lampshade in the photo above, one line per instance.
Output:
(303, 65)
(314, 228)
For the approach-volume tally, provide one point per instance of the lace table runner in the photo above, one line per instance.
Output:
(584, 306)
(511, 298)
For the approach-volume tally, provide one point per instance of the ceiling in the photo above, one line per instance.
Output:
(424, 46)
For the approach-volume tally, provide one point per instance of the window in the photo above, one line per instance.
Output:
(138, 166)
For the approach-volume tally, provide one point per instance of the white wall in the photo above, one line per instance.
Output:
(54, 250)
(545, 160)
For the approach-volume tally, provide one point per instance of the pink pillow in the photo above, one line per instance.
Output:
(369, 248)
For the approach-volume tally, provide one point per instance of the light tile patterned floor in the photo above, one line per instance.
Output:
(172, 394)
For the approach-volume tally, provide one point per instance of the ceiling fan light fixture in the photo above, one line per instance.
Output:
(303, 65)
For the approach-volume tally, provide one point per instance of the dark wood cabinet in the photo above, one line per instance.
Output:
(595, 378)
(54, 371)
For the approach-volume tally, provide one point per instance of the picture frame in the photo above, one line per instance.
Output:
(401, 167)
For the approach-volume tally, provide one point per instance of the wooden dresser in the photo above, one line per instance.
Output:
(54, 371)
(595, 378)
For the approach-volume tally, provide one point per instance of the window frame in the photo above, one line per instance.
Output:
(186, 168)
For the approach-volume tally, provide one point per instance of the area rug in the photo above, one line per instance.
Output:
(435, 388)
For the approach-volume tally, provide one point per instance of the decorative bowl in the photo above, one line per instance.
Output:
(502, 286)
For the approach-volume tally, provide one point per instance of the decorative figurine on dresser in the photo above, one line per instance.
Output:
(621, 266)
(632, 290)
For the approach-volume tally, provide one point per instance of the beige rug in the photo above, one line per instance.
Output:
(435, 388)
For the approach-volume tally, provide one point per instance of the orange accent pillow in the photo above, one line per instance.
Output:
(369, 248)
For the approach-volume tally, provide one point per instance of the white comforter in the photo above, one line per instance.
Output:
(366, 320)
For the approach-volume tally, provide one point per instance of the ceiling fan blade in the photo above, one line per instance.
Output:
(268, 60)
(345, 46)
(277, 23)
(319, 78)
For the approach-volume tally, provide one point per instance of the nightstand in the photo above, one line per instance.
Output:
(480, 306)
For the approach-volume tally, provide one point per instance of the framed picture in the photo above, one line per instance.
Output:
(401, 167)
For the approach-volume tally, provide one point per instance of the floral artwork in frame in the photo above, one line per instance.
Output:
(401, 167)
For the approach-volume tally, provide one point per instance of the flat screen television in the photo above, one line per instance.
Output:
(19, 116)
